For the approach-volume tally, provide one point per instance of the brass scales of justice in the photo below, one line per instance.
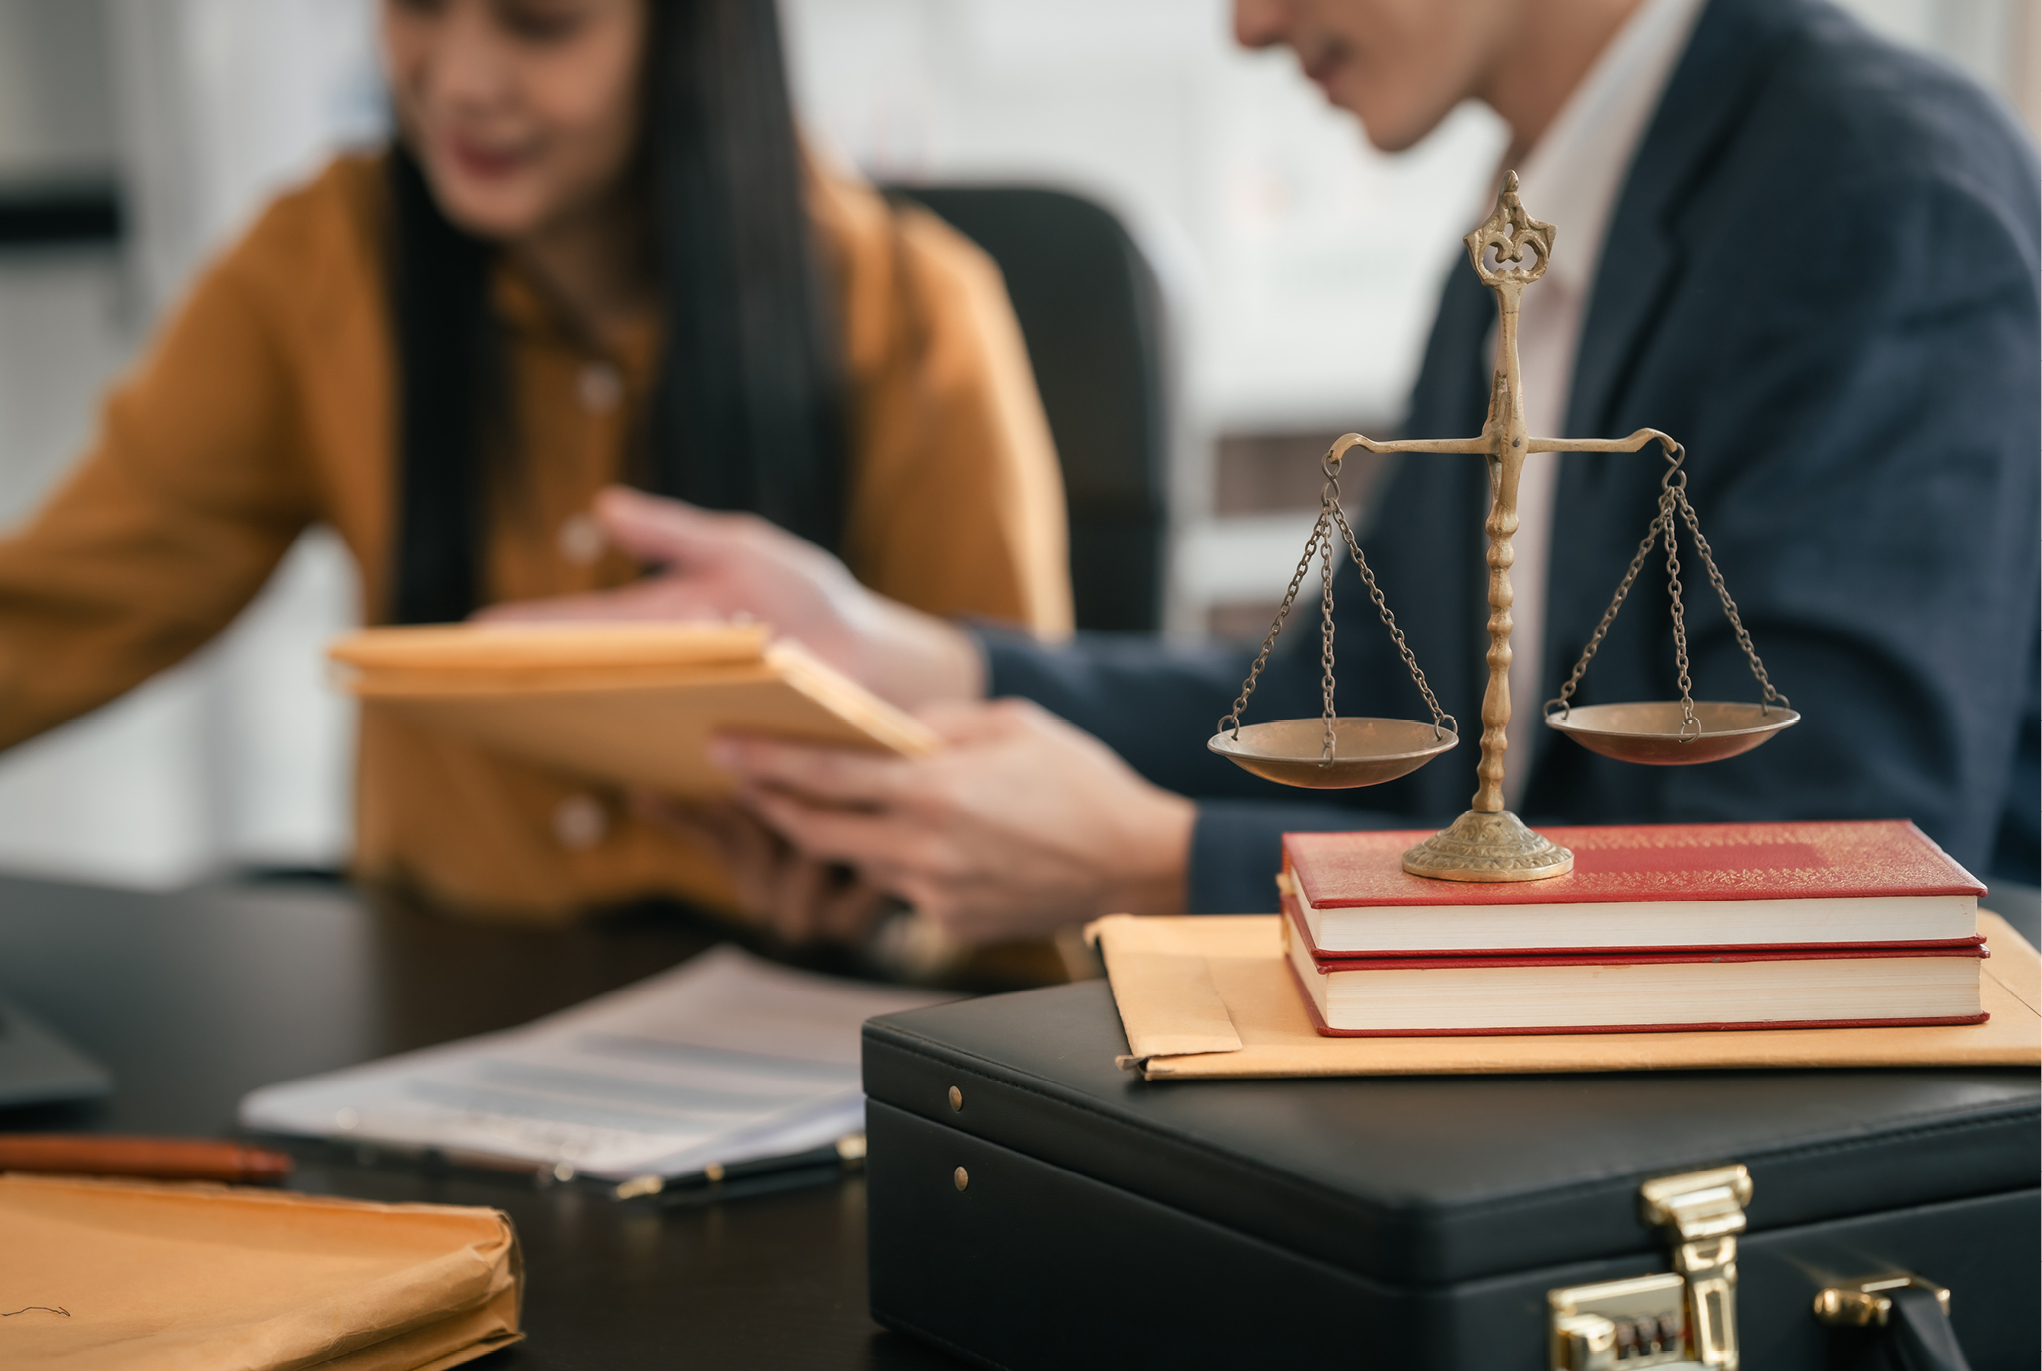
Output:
(1489, 843)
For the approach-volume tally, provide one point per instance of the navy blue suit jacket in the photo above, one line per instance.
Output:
(1821, 276)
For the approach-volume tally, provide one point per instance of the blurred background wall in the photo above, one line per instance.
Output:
(138, 136)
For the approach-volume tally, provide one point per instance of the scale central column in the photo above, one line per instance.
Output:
(1505, 429)
(1489, 843)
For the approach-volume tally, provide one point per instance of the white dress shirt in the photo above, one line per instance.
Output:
(1570, 180)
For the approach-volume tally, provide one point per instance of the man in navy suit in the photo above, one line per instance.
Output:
(1808, 255)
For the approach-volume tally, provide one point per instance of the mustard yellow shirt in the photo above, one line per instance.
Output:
(266, 405)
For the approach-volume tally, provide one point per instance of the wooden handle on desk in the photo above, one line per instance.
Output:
(184, 1159)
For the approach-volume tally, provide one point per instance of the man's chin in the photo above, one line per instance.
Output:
(1385, 134)
(1390, 145)
(1341, 95)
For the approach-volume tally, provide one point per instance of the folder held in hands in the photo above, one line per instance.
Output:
(630, 704)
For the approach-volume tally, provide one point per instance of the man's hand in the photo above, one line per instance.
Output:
(799, 898)
(1021, 826)
(724, 566)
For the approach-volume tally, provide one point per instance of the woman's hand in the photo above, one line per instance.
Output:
(801, 900)
(725, 566)
(1021, 826)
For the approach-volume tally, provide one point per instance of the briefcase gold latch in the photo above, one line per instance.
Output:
(1620, 1324)
(1685, 1317)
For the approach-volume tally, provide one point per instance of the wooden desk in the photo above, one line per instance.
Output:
(193, 999)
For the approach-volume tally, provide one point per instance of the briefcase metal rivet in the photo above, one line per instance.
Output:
(956, 1098)
(960, 1178)
(1866, 1303)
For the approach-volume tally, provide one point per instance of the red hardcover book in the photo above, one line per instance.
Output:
(1633, 992)
(1645, 888)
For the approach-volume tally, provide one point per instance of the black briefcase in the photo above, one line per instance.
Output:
(1032, 1205)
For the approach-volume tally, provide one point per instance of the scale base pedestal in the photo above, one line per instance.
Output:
(1483, 846)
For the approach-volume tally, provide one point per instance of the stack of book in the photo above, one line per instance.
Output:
(1658, 928)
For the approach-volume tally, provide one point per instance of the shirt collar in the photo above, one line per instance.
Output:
(1572, 176)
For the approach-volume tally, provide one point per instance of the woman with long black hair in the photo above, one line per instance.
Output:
(595, 254)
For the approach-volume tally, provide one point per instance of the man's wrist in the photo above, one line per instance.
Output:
(1157, 857)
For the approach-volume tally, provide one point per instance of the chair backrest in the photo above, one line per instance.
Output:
(1091, 311)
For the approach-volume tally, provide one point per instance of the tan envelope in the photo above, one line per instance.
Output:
(102, 1274)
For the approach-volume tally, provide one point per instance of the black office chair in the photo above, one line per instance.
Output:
(1091, 313)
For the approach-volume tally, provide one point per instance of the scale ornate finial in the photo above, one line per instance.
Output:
(1510, 231)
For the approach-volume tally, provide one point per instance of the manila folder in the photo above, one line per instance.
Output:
(104, 1275)
(628, 704)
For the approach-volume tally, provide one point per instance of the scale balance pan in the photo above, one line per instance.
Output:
(1649, 732)
(1365, 751)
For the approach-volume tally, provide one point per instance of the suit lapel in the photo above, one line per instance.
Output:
(1450, 398)
(1641, 267)
(1641, 256)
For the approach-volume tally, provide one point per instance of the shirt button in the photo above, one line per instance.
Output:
(579, 822)
(581, 539)
(599, 387)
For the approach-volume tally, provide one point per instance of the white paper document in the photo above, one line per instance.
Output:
(724, 1059)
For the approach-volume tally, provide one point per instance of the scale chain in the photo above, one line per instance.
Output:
(1312, 545)
(1694, 524)
(1326, 749)
(1687, 692)
(1609, 616)
(1320, 544)
(1673, 495)
(1368, 577)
